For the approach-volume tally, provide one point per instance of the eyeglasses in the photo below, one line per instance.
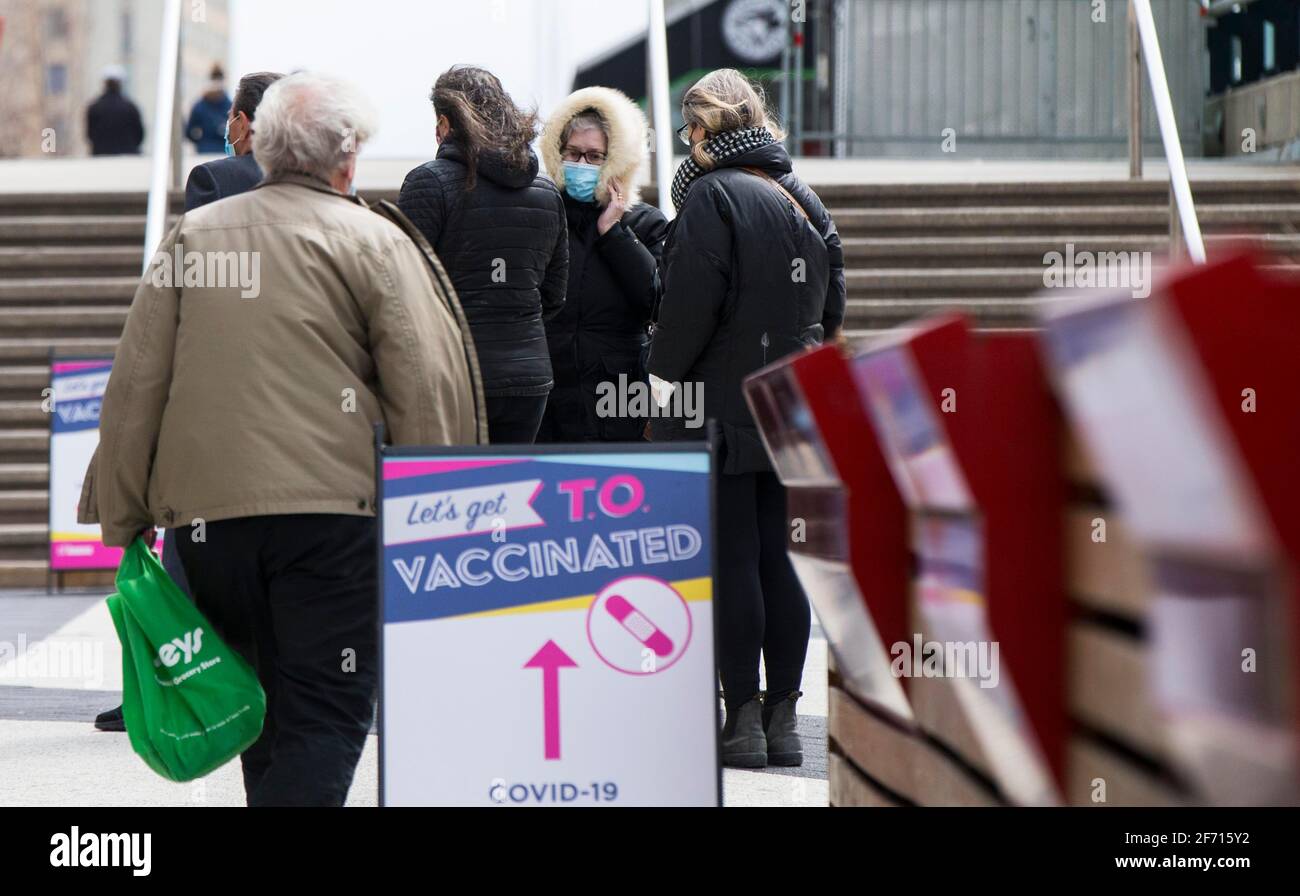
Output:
(591, 156)
(684, 133)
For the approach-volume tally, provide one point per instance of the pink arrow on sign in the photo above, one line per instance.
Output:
(550, 659)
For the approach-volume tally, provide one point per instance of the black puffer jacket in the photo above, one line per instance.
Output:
(746, 281)
(602, 329)
(505, 247)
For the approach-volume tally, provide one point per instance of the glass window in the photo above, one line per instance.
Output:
(1236, 60)
(56, 79)
(56, 24)
(1270, 46)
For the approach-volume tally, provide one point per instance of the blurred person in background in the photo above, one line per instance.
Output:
(232, 410)
(113, 124)
(208, 183)
(239, 171)
(594, 145)
(753, 272)
(208, 116)
(498, 227)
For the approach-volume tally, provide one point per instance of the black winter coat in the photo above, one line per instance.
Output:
(221, 178)
(613, 281)
(505, 247)
(113, 126)
(746, 281)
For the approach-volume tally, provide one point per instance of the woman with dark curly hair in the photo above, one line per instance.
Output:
(498, 227)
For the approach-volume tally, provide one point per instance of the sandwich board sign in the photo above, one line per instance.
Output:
(77, 390)
(75, 394)
(547, 626)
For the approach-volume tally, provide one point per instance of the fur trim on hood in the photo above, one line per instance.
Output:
(627, 151)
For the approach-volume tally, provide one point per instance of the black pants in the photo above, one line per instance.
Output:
(514, 419)
(761, 606)
(295, 595)
(171, 559)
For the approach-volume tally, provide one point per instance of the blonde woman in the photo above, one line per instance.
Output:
(594, 147)
(753, 272)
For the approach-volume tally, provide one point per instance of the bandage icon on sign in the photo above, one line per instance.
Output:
(638, 625)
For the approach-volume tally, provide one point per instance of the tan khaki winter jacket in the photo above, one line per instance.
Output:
(224, 403)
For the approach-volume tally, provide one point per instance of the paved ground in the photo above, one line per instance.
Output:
(60, 665)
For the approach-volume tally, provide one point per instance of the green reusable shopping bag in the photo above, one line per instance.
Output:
(191, 704)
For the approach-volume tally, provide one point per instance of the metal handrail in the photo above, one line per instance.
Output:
(662, 131)
(1182, 188)
(164, 110)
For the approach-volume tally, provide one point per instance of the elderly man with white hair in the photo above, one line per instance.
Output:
(270, 334)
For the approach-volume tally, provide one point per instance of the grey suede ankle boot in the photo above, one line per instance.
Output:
(782, 730)
(743, 742)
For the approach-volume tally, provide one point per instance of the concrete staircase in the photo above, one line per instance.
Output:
(980, 248)
(69, 264)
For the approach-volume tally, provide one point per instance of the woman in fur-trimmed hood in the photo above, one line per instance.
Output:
(594, 148)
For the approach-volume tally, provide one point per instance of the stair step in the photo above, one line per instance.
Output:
(864, 283)
(33, 572)
(26, 378)
(1013, 312)
(999, 251)
(24, 506)
(16, 573)
(23, 440)
(24, 534)
(1074, 193)
(53, 290)
(62, 320)
(912, 219)
(24, 499)
(108, 203)
(1024, 219)
(19, 413)
(997, 248)
(858, 336)
(975, 283)
(35, 261)
(24, 476)
(36, 230)
(39, 349)
(39, 551)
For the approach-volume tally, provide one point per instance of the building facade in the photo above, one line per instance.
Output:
(922, 78)
(1254, 105)
(1008, 78)
(53, 54)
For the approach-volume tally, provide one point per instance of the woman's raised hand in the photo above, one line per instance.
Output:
(613, 213)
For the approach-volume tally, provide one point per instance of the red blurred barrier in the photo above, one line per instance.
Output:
(852, 558)
(1186, 404)
(973, 436)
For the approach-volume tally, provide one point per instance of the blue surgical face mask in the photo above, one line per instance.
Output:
(580, 180)
(230, 149)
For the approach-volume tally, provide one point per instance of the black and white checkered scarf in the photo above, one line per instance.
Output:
(724, 146)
